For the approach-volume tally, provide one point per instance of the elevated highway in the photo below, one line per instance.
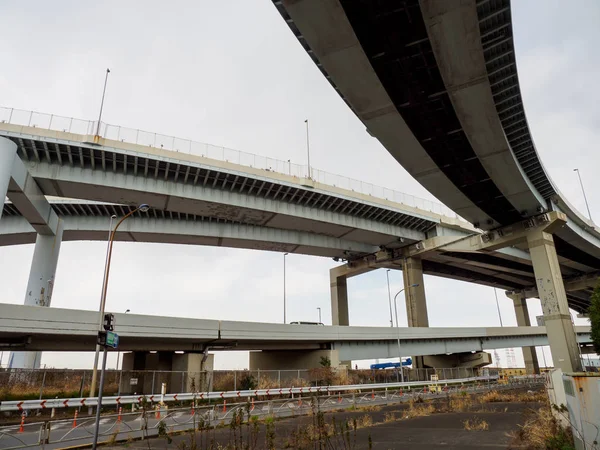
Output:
(40, 329)
(437, 84)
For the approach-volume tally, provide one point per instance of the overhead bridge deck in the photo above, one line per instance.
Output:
(55, 329)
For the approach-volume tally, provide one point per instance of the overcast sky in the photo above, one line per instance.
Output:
(232, 74)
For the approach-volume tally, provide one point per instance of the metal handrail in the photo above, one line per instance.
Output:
(54, 122)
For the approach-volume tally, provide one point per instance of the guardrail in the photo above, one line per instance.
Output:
(133, 136)
(147, 422)
(20, 405)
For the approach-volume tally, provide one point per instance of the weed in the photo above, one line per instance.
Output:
(476, 424)
(389, 417)
(542, 430)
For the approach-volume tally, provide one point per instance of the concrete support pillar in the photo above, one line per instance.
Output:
(339, 298)
(40, 287)
(561, 334)
(416, 303)
(522, 313)
(8, 151)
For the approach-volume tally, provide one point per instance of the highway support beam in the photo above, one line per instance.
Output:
(338, 277)
(529, 354)
(536, 233)
(414, 295)
(19, 186)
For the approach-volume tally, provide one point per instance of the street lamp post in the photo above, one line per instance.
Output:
(498, 307)
(102, 103)
(119, 351)
(284, 318)
(398, 327)
(584, 196)
(319, 314)
(307, 147)
(142, 208)
(389, 297)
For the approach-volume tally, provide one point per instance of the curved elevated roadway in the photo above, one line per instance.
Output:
(203, 201)
(436, 83)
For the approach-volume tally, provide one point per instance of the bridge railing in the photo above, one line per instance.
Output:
(48, 383)
(156, 140)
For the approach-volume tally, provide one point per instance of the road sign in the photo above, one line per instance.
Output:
(108, 339)
(112, 339)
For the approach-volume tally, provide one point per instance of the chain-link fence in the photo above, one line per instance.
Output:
(30, 384)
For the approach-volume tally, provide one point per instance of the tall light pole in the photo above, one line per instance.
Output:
(284, 318)
(584, 196)
(142, 208)
(307, 147)
(498, 306)
(398, 327)
(101, 311)
(319, 314)
(389, 297)
(119, 351)
(102, 103)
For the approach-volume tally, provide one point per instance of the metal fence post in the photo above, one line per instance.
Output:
(153, 376)
(43, 383)
(279, 379)
(120, 380)
(182, 379)
(235, 380)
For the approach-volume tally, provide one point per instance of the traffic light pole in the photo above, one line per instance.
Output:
(100, 389)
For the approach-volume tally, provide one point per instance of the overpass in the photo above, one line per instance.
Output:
(204, 201)
(436, 83)
(55, 329)
(424, 93)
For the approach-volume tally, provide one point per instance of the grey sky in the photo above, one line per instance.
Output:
(232, 74)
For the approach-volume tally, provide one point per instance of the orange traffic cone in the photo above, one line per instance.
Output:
(119, 416)
(224, 406)
(22, 427)
(373, 395)
(75, 420)
(157, 414)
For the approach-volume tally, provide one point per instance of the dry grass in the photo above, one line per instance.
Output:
(419, 410)
(267, 383)
(509, 397)
(476, 424)
(389, 417)
(364, 421)
(542, 431)
(369, 408)
(461, 404)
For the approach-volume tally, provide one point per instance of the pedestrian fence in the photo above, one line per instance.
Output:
(149, 418)
(53, 122)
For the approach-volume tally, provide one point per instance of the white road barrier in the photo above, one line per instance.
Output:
(21, 405)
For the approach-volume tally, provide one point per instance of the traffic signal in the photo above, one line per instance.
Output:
(109, 322)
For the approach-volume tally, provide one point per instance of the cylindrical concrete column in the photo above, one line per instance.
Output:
(551, 290)
(8, 151)
(522, 314)
(40, 287)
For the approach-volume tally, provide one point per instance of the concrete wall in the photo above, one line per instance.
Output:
(291, 360)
